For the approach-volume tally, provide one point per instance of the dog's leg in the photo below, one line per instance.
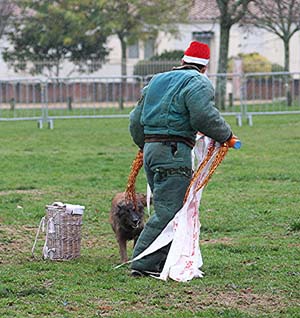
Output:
(123, 250)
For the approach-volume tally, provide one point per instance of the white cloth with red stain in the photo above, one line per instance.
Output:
(184, 259)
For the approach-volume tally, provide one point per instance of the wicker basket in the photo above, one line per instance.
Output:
(63, 233)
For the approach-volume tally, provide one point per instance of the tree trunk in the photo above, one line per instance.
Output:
(57, 66)
(286, 55)
(123, 71)
(287, 69)
(222, 66)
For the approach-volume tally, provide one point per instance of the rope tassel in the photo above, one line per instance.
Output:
(130, 193)
(203, 180)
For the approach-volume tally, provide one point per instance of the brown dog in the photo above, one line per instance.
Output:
(126, 222)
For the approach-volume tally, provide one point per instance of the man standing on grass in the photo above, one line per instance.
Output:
(174, 106)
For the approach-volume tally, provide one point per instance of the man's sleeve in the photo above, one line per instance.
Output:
(135, 127)
(204, 116)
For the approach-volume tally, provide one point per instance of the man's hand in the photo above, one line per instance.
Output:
(234, 142)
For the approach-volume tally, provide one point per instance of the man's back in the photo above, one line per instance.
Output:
(165, 109)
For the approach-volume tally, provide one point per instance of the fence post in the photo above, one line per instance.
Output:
(239, 120)
(12, 104)
(69, 102)
(243, 94)
(44, 102)
(13, 100)
(230, 97)
(249, 120)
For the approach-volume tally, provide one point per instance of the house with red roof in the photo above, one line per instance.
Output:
(203, 25)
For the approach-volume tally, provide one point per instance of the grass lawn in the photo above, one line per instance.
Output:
(249, 214)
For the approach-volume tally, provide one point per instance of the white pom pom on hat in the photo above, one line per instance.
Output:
(197, 52)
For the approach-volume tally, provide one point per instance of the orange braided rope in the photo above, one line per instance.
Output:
(219, 157)
(130, 194)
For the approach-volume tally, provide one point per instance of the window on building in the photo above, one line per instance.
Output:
(203, 36)
(133, 51)
(149, 47)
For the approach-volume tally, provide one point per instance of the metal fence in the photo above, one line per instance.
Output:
(45, 100)
(270, 94)
(58, 98)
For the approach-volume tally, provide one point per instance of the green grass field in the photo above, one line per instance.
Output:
(249, 214)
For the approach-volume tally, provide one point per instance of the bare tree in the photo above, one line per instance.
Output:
(6, 11)
(280, 17)
(231, 12)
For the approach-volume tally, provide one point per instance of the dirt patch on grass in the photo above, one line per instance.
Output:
(248, 301)
(294, 245)
(29, 191)
(222, 240)
(244, 300)
(15, 241)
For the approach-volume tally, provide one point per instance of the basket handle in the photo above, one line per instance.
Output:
(41, 226)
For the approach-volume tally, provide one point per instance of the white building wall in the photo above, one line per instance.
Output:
(266, 44)
(241, 41)
(295, 53)
(181, 42)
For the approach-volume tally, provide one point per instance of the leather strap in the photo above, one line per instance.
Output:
(172, 138)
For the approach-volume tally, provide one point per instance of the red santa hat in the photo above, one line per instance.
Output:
(197, 52)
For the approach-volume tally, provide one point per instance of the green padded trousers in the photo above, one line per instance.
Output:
(168, 168)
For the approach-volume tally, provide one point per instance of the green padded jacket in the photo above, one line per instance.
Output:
(181, 103)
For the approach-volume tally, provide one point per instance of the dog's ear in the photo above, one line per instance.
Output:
(121, 208)
(141, 198)
(120, 205)
(140, 207)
